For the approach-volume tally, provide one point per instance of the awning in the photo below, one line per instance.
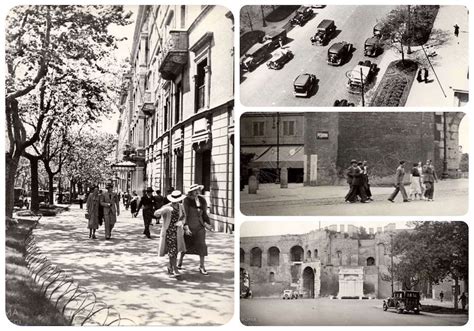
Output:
(124, 166)
(266, 156)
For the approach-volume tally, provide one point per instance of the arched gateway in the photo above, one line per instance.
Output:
(308, 282)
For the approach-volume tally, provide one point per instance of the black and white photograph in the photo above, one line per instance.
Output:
(312, 273)
(359, 55)
(354, 163)
(119, 170)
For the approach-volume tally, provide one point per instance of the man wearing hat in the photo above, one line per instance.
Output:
(110, 203)
(148, 202)
(354, 179)
(399, 186)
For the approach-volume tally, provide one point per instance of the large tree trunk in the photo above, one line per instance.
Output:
(51, 187)
(456, 284)
(34, 184)
(10, 171)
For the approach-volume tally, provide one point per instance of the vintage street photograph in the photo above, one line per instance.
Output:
(354, 163)
(359, 55)
(310, 273)
(119, 165)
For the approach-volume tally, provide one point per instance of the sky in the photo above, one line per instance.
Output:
(270, 228)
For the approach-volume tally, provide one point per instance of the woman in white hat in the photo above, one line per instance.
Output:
(172, 234)
(195, 225)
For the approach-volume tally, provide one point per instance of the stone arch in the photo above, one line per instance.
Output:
(316, 256)
(242, 256)
(296, 254)
(308, 282)
(308, 255)
(370, 261)
(273, 256)
(271, 277)
(256, 257)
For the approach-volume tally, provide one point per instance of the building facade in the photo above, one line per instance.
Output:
(180, 103)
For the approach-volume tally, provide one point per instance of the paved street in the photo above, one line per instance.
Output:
(451, 199)
(335, 312)
(265, 87)
(127, 274)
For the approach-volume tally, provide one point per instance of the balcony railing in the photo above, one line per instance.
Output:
(174, 54)
(148, 106)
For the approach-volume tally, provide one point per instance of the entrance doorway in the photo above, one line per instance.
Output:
(308, 282)
(203, 169)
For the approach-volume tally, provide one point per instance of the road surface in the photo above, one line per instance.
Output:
(324, 311)
(265, 87)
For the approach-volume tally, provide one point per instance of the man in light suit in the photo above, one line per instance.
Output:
(110, 201)
(399, 187)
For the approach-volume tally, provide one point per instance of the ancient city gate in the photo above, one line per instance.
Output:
(308, 282)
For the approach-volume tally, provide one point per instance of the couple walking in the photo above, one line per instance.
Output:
(102, 207)
(185, 222)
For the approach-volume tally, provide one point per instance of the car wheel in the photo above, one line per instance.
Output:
(417, 312)
(400, 311)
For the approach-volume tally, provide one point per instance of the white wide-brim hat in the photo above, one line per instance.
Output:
(195, 187)
(175, 196)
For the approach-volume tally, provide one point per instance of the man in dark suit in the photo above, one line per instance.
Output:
(111, 205)
(354, 179)
(148, 202)
(399, 186)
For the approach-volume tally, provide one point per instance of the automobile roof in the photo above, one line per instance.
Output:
(336, 47)
(372, 41)
(355, 73)
(325, 24)
(302, 79)
(255, 48)
(302, 9)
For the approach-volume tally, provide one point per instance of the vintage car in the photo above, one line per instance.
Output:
(373, 46)
(19, 198)
(324, 32)
(343, 103)
(377, 31)
(302, 15)
(362, 75)
(339, 53)
(304, 84)
(275, 39)
(403, 301)
(279, 60)
(289, 295)
(257, 54)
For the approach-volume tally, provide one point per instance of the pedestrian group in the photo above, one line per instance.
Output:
(184, 220)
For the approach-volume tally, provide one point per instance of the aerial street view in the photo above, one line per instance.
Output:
(379, 56)
(354, 163)
(376, 273)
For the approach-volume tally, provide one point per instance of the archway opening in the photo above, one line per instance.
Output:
(273, 256)
(308, 283)
(256, 257)
(370, 261)
(296, 254)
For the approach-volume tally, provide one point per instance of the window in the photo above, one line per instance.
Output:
(177, 102)
(316, 254)
(166, 110)
(200, 81)
(288, 128)
(258, 129)
(308, 255)
(296, 253)
(256, 257)
(183, 17)
(273, 256)
(271, 277)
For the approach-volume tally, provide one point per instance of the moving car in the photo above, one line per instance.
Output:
(362, 75)
(324, 32)
(302, 15)
(403, 301)
(289, 295)
(19, 198)
(339, 53)
(372, 46)
(279, 60)
(303, 85)
(275, 39)
(377, 31)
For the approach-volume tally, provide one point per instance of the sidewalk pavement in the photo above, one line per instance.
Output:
(451, 62)
(127, 273)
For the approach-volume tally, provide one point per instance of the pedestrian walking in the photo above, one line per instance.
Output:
(111, 204)
(425, 75)
(422, 185)
(365, 177)
(399, 186)
(92, 215)
(126, 200)
(148, 203)
(456, 30)
(463, 299)
(419, 75)
(354, 178)
(441, 296)
(172, 233)
(415, 183)
(429, 179)
(134, 203)
(159, 202)
(195, 226)
(81, 198)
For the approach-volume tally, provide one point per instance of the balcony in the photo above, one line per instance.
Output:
(148, 106)
(174, 55)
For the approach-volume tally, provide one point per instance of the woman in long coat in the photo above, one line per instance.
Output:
(195, 226)
(92, 205)
(172, 233)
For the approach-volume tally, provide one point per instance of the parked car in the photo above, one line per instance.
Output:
(343, 103)
(324, 32)
(302, 15)
(339, 53)
(279, 60)
(403, 301)
(377, 30)
(362, 75)
(289, 295)
(304, 84)
(275, 39)
(373, 46)
(254, 56)
(19, 198)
